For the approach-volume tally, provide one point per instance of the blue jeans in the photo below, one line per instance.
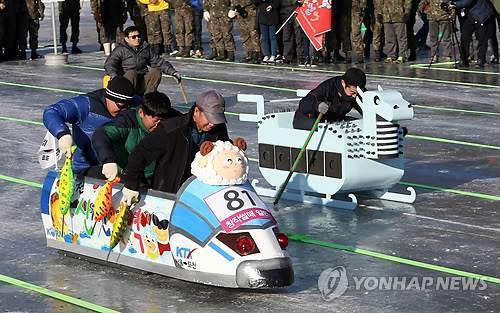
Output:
(268, 33)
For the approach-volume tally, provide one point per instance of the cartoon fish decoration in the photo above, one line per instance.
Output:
(66, 184)
(120, 225)
(104, 200)
(55, 213)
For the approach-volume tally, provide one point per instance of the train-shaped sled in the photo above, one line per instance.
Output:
(216, 235)
(362, 155)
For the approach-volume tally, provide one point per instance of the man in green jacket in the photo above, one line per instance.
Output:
(115, 141)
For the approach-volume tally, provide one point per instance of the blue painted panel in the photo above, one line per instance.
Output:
(46, 188)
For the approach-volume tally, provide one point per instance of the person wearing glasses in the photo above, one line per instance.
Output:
(134, 59)
(114, 142)
(86, 113)
(335, 97)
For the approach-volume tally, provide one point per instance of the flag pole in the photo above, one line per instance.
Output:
(287, 20)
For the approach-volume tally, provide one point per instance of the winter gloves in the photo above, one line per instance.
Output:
(65, 143)
(177, 77)
(129, 195)
(110, 170)
(323, 107)
(206, 16)
(231, 14)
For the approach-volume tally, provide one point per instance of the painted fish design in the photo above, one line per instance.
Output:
(104, 200)
(66, 184)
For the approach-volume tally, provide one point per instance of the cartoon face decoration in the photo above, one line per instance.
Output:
(222, 164)
(160, 228)
(150, 243)
(230, 164)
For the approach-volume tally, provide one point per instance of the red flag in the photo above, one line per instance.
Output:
(315, 18)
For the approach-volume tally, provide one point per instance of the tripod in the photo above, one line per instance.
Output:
(450, 22)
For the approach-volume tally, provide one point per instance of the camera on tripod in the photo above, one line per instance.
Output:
(448, 6)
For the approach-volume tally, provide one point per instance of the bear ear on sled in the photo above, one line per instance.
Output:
(206, 147)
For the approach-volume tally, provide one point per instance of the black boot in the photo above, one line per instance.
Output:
(257, 56)
(413, 55)
(221, 55)
(35, 55)
(248, 58)
(64, 48)
(75, 49)
(185, 52)
(101, 47)
(230, 56)
(337, 56)
(21, 55)
(213, 55)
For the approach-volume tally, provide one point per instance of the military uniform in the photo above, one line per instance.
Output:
(342, 28)
(357, 11)
(35, 12)
(440, 24)
(69, 11)
(221, 27)
(378, 28)
(158, 24)
(184, 26)
(396, 13)
(247, 14)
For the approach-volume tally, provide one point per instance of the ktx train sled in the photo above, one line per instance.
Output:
(216, 235)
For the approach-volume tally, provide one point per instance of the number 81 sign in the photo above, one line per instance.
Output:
(235, 206)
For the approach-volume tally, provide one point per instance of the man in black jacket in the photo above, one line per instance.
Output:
(174, 144)
(134, 60)
(335, 97)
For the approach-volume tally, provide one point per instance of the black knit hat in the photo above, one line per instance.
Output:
(355, 77)
(120, 90)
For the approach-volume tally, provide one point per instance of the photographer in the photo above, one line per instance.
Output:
(478, 12)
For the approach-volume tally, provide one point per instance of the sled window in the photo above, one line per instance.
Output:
(266, 155)
(333, 164)
(282, 156)
(301, 167)
(316, 162)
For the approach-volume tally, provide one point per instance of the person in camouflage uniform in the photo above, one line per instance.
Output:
(378, 29)
(358, 8)
(440, 25)
(110, 16)
(221, 27)
(36, 13)
(342, 27)
(69, 11)
(245, 13)
(396, 13)
(184, 27)
(158, 25)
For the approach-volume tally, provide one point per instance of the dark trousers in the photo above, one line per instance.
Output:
(268, 36)
(492, 32)
(65, 18)
(293, 39)
(33, 27)
(197, 30)
(146, 83)
(470, 27)
(15, 34)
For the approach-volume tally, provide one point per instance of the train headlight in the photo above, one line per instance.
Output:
(282, 240)
(241, 243)
(245, 245)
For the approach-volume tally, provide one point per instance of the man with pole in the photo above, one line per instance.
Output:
(331, 100)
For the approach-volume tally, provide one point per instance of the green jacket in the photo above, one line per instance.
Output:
(114, 142)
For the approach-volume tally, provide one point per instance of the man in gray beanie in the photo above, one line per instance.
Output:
(86, 113)
(335, 97)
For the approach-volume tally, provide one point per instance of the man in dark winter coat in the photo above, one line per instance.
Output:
(86, 113)
(174, 144)
(134, 59)
(114, 142)
(335, 97)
